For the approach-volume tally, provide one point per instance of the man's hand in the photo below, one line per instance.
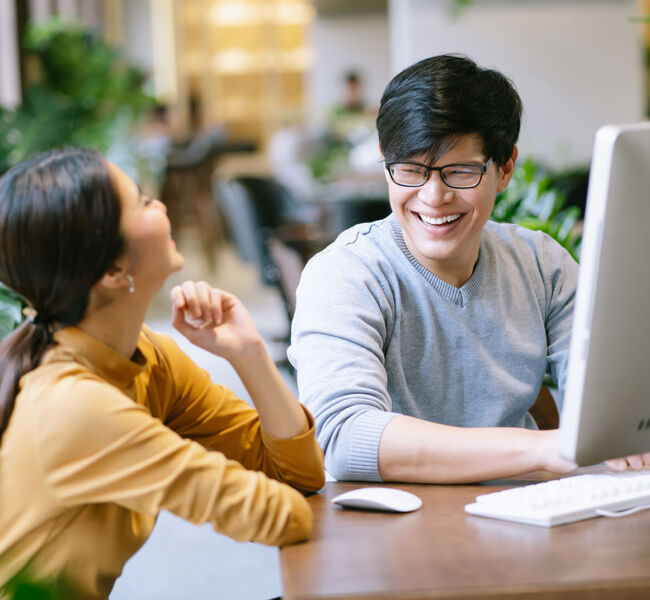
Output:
(549, 451)
(636, 462)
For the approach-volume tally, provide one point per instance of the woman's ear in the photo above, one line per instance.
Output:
(116, 277)
(506, 170)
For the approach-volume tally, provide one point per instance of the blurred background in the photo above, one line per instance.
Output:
(253, 120)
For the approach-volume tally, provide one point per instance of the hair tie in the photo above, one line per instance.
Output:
(34, 317)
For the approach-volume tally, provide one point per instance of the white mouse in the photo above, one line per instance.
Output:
(379, 498)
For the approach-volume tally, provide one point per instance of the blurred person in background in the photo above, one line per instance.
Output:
(353, 100)
(105, 423)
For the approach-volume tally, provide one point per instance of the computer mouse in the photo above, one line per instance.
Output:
(379, 498)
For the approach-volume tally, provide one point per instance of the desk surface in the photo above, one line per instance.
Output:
(440, 551)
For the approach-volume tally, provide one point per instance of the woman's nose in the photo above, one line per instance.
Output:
(161, 205)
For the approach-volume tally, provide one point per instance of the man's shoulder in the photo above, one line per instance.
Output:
(507, 233)
(518, 249)
(517, 239)
(364, 243)
(363, 257)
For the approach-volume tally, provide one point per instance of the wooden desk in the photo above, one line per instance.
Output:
(440, 552)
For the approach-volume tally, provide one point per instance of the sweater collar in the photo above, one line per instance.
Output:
(96, 356)
(460, 296)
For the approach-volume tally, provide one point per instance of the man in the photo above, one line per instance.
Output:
(421, 341)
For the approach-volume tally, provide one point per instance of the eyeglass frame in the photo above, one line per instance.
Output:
(483, 169)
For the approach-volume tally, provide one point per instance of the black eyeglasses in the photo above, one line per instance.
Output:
(460, 176)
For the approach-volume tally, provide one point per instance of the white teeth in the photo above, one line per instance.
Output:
(441, 220)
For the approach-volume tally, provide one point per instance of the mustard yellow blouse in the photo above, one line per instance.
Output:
(97, 445)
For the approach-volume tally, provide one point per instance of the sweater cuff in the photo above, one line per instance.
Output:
(363, 453)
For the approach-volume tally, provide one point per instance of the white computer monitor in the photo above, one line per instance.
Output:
(606, 411)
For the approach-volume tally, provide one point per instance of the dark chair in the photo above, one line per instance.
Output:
(544, 411)
(350, 211)
(186, 190)
(271, 228)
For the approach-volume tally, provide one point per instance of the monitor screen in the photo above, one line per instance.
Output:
(606, 410)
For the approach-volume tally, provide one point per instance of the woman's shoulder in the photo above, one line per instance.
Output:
(156, 346)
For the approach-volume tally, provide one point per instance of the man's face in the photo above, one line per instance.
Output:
(441, 225)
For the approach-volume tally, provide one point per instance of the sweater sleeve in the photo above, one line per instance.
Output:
(96, 446)
(561, 275)
(197, 408)
(339, 334)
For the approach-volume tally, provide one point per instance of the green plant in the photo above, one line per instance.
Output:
(23, 586)
(330, 160)
(11, 305)
(457, 6)
(535, 198)
(80, 92)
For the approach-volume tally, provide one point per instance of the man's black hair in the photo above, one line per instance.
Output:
(426, 106)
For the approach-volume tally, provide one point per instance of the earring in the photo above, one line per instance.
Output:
(129, 279)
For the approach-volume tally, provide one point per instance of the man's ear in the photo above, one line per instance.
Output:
(506, 170)
(383, 158)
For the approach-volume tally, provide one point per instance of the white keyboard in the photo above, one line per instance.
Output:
(568, 499)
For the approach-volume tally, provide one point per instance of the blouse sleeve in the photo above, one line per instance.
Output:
(198, 409)
(96, 445)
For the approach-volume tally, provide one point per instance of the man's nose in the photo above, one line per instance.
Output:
(435, 190)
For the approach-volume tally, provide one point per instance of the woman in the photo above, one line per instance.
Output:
(105, 423)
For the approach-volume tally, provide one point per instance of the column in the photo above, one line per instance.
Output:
(40, 10)
(9, 68)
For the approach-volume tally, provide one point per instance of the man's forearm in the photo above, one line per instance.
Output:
(414, 450)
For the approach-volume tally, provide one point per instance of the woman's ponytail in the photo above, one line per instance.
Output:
(20, 352)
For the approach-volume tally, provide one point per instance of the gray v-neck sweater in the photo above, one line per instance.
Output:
(375, 334)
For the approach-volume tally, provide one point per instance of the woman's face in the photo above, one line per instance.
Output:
(151, 254)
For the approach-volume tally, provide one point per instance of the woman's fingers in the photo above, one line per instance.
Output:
(202, 305)
(177, 297)
(191, 295)
(217, 306)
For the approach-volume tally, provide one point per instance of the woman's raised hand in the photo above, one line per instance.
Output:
(218, 322)
(214, 320)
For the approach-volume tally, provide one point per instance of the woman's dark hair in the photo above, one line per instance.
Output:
(428, 105)
(59, 233)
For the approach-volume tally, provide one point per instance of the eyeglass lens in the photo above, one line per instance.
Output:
(461, 176)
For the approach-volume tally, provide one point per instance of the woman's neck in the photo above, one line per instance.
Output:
(117, 324)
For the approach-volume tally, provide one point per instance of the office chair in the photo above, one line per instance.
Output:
(186, 190)
(272, 229)
(544, 411)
